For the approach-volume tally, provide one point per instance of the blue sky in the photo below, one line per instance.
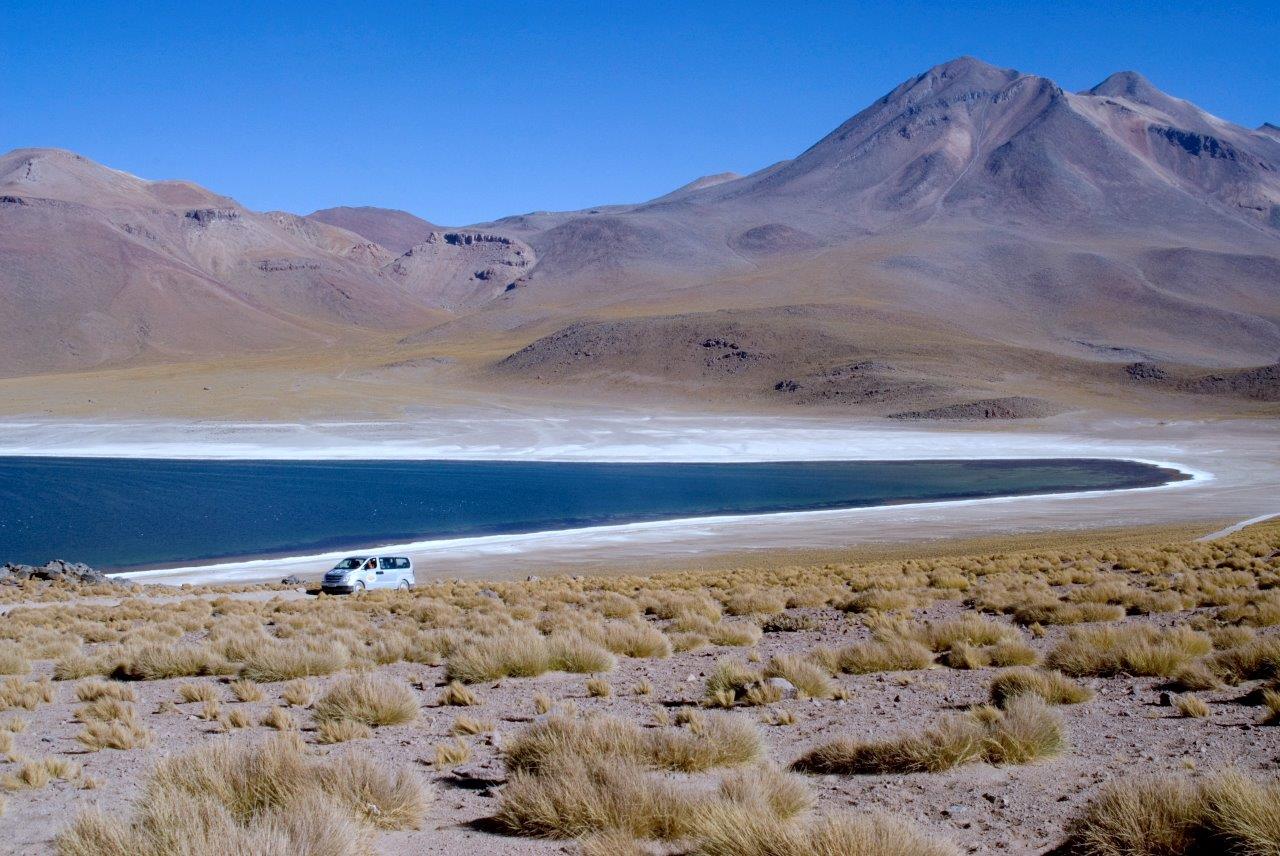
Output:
(462, 112)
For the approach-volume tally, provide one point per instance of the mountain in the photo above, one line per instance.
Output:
(978, 240)
(396, 230)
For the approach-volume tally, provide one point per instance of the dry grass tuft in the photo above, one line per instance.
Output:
(891, 655)
(287, 659)
(1051, 687)
(193, 692)
(599, 688)
(1025, 731)
(298, 693)
(807, 677)
(1173, 816)
(93, 689)
(1191, 706)
(122, 731)
(342, 730)
(573, 796)
(246, 691)
(280, 719)
(463, 724)
(460, 695)
(370, 698)
(737, 831)
(263, 798)
(1134, 649)
(27, 695)
(452, 754)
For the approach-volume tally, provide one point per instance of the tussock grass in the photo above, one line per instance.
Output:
(1271, 700)
(123, 733)
(599, 688)
(1058, 612)
(106, 709)
(573, 796)
(155, 661)
(466, 725)
(236, 718)
(1191, 706)
(93, 689)
(35, 774)
(288, 659)
(280, 719)
(261, 798)
(460, 695)
(804, 675)
(1051, 687)
(1165, 815)
(13, 659)
(1257, 658)
(893, 655)
(342, 730)
(369, 698)
(452, 754)
(710, 740)
(737, 831)
(1024, 731)
(973, 630)
(15, 693)
(193, 692)
(245, 690)
(298, 693)
(524, 655)
(1135, 649)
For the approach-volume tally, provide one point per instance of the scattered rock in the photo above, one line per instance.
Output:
(787, 688)
(76, 573)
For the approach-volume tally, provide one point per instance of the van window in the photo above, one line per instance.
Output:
(387, 564)
(402, 563)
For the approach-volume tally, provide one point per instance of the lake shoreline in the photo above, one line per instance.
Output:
(1232, 464)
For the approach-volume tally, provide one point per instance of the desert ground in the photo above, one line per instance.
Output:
(1105, 693)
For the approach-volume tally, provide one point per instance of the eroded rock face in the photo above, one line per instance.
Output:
(55, 571)
(457, 271)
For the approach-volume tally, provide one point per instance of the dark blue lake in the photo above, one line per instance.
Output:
(129, 513)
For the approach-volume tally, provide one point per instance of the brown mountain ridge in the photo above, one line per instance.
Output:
(976, 235)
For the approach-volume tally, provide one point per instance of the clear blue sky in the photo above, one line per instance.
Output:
(462, 112)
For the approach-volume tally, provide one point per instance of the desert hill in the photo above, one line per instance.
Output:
(976, 235)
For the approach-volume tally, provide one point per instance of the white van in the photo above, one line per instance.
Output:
(358, 573)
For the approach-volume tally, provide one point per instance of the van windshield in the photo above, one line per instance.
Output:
(348, 564)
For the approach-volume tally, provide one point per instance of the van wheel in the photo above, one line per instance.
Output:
(359, 587)
(404, 585)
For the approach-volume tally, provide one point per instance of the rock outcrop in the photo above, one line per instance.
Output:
(75, 573)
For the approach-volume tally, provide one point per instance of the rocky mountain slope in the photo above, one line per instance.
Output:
(977, 234)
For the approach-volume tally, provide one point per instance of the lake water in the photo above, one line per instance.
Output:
(132, 513)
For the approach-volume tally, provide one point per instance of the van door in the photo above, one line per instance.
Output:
(388, 577)
(370, 574)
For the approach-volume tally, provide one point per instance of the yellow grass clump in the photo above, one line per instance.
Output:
(265, 797)
(1024, 731)
(1051, 687)
(370, 698)
(1175, 816)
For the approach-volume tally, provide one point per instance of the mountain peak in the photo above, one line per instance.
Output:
(394, 229)
(1270, 129)
(1127, 84)
(970, 69)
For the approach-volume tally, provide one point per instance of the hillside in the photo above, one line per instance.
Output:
(976, 235)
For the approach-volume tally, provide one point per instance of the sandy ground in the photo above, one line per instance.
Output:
(1236, 465)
